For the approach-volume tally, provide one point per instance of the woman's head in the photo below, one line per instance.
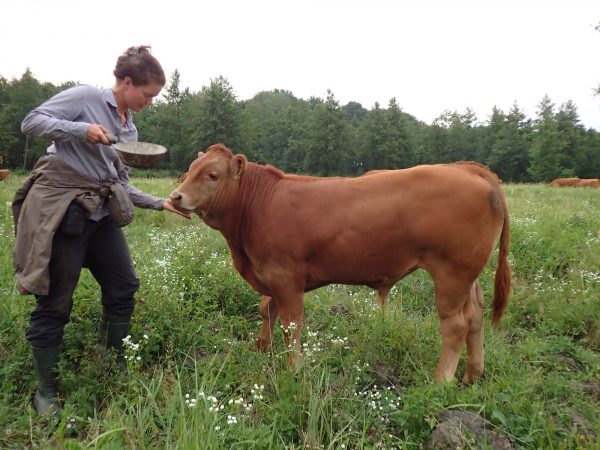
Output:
(138, 64)
(139, 77)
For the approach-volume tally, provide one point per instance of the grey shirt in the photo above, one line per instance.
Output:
(65, 118)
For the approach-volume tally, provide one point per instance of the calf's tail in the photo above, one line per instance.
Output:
(502, 280)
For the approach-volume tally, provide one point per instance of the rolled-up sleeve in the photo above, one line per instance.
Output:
(143, 200)
(56, 119)
(138, 197)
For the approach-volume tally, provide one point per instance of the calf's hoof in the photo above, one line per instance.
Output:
(472, 374)
(442, 378)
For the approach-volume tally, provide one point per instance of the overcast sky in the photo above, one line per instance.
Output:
(431, 55)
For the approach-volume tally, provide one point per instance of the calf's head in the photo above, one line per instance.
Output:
(209, 180)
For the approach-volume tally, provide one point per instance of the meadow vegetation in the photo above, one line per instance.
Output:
(194, 381)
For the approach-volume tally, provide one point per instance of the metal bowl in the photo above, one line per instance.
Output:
(141, 155)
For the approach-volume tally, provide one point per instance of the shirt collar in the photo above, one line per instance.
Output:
(109, 96)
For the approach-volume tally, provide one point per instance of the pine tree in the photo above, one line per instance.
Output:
(328, 139)
(547, 145)
(398, 146)
(214, 116)
(508, 156)
(573, 134)
(373, 134)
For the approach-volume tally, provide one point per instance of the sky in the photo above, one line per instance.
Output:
(431, 55)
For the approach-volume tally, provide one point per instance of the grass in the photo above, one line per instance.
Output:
(366, 381)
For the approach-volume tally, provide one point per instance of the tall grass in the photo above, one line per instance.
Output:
(365, 381)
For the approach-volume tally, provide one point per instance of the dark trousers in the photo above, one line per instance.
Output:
(102, 249)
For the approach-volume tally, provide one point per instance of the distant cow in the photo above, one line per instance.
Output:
(589, 182)
(290, 234)
(564, 182)
(4, 174)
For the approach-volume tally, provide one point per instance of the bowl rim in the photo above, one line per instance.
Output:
(132, 148)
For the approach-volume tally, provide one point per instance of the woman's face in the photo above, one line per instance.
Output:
(137, 97)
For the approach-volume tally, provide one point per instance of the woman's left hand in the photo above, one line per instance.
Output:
(170, 207)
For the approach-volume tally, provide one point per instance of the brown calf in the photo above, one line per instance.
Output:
(290, 234)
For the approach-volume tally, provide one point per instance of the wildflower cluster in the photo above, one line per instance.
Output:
(339, 341)
(523, 220)
(229, 411)
(257, 392)
(290, 328)
(163, 267)
(311, 345)
(315, 343)
(132, 351)
(577, 282)
(191, 402)
(383, 402)
(589, 276)
(289, 332)
(359, 370)
(591, 238)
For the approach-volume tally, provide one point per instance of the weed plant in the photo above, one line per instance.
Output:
(193, 380)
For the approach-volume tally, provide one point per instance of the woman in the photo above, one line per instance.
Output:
(68, 213)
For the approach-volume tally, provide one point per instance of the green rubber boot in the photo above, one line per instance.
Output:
(111, 332)
(45, 361)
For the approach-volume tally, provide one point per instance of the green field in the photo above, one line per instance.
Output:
(366, 380)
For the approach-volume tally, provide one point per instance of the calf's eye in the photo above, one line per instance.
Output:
(214, 176)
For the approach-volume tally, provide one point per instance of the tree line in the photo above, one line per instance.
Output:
(321, 137)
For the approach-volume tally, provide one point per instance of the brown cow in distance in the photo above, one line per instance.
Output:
(290, 234)
(4, 174)
(564, 182)
(589, 182)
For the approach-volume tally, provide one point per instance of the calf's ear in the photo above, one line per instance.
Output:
(238, 164)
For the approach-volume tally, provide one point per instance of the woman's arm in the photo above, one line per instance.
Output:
(56, 119)
(142, 199)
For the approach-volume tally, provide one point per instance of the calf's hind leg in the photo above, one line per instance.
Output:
(451, 300)
(473, 312)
